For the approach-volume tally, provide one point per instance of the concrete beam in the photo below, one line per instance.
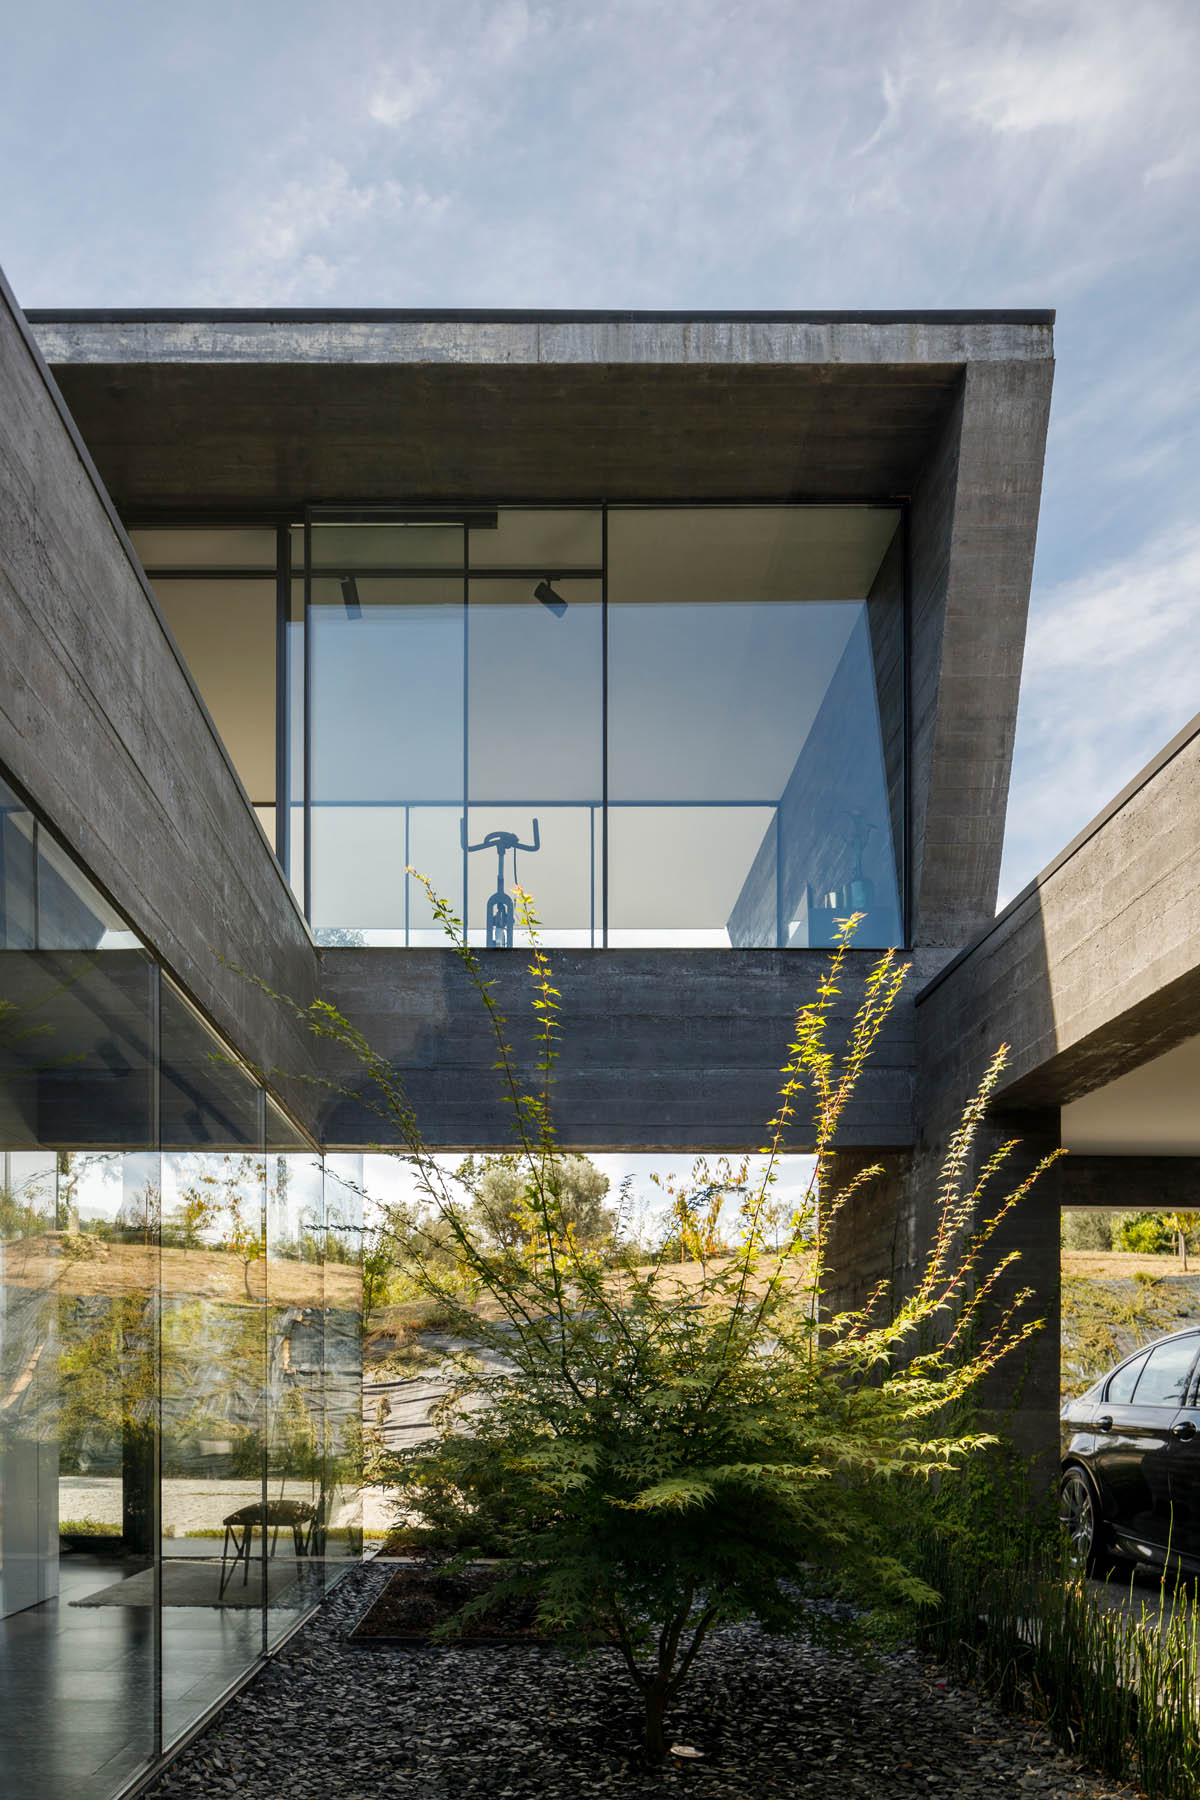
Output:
(517, 406)
(662, 1050)
(385, 336)
(101, 727)
(1133, 1183)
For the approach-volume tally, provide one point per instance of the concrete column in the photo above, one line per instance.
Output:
(884, 1235)
(1021, 1397)
(869, 1239)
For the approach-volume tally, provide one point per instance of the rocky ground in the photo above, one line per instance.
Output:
(774, 1719)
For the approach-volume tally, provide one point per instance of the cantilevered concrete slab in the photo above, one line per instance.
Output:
(228, 413)
(263, 409)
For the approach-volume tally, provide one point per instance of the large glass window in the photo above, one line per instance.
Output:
(341, 1363)
(387, 656)
(753, 657)
(296, 1376)
(175, 1458)
(673, 725)
(535, 755)
(219, 591)
(213, 1336)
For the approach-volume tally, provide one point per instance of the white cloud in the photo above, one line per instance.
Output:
(1182, 166)
(1079, 82)
(302, 237)
(892, 92)
(454, 90)
(1141, 606)
(396, 100)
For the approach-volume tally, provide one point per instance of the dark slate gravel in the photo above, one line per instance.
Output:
(775, 1718)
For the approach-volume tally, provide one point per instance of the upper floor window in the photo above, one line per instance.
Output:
(673, 725)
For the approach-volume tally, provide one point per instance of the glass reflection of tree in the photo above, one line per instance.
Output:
(107, 1330)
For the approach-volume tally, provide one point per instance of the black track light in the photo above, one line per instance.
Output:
(350, 597)
(546, 594)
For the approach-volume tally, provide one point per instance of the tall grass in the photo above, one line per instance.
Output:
(1114, 1683)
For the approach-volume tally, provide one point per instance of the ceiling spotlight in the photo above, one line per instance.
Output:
(546, 594)
(350, 598)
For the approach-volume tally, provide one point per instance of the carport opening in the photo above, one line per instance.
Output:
(1128, 1278)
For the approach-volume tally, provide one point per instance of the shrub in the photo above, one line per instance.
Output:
(1146, 1234)
(651, 1457)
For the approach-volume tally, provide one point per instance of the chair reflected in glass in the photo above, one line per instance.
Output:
(302, 1517)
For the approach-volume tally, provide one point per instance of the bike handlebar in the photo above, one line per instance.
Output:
(500, 840)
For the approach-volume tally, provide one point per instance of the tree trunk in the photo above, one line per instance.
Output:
(656, 1716)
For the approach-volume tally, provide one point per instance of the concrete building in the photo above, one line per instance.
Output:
(706, 628)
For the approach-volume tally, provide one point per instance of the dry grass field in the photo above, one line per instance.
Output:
(69, 1263)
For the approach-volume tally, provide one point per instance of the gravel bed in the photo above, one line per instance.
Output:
(774, 1718)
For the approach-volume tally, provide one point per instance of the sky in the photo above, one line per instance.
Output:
(686, 154)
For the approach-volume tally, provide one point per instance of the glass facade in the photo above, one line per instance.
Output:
(180, 1346)
(674, 725)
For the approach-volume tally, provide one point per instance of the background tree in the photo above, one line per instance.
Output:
(504, 1211)
(1184, 1226)
(1087, 1228)
(1144, 1234)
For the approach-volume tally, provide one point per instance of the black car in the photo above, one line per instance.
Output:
(1130, 1482)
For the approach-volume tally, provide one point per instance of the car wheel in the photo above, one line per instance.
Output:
(1080, 1522)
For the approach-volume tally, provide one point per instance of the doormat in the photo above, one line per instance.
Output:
(196, 1582)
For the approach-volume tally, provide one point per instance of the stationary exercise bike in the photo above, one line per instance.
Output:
(501, 913)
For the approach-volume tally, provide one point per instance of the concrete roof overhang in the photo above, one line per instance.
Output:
(242, 410)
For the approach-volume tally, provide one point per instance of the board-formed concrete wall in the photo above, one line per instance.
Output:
(102, 729)
(661, 1049)
(1095, 967)
(974, 526)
